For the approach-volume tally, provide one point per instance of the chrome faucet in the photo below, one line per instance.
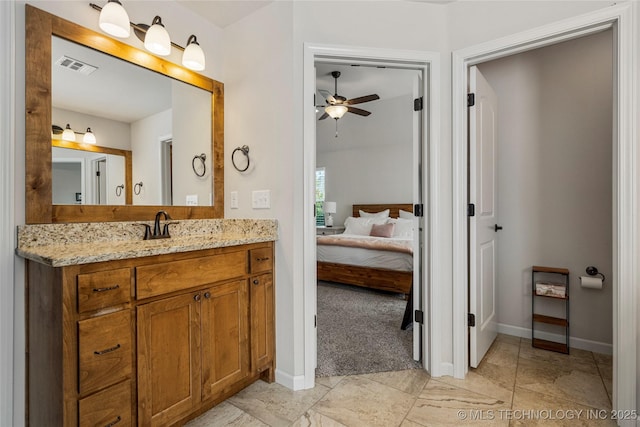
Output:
(157, 234)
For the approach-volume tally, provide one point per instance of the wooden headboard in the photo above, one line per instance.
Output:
(394, 209)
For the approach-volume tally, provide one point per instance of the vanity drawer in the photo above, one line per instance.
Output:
(159, 279)
(110, 407)
(103, 289)
(104, 347)
(261, 260)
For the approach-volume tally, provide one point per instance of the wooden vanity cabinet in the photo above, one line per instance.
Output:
(148, 341)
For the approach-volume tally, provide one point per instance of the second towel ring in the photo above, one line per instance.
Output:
(202, 157)
(244, 150)
(137, 188)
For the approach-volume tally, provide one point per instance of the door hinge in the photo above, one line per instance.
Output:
(418, 210)
(418, 104)
(97, 173)
(471, 319)
(418, 316)
(471, 99)
(315, 321)
(471, 209)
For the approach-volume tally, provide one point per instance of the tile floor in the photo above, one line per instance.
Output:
(514, 385)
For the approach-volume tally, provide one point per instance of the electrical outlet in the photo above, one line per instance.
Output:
(192, 200)
(233, 202)
(261, 199)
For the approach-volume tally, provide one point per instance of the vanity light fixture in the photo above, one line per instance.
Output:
(68, 134)
(157, 39)
(193, 56)
(89, 137)
(336, 111)
(114, 20)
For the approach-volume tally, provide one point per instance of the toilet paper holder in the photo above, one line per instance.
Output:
(593, 271)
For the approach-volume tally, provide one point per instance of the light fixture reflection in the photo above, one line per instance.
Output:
(68, 134)
(157, 39)
(193, 56)
(89, 137)
(114, 20)
(336, 111)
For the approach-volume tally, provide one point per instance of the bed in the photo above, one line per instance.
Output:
(385, 269)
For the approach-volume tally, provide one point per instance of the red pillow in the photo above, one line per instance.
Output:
(382, 230)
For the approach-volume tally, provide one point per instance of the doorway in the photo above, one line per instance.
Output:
(428, 63)
(618, 18)
(366, 157)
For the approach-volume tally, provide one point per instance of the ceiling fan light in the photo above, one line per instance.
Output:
(193, 56)
(114, 20)
(68, 134)
(157, 39)
(336, 111)
(89, 137)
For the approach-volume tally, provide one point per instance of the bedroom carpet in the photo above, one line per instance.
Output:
(359, 332)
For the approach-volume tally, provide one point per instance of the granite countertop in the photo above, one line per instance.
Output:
(60, 245)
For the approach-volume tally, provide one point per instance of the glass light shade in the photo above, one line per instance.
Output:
(157, 39)
(114, 20)
(89, 137)
(68, 134)
(330, 207)
(193, 56)
(336, 111)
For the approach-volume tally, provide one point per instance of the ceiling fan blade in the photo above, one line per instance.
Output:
(361, 99)
(358, 111)
(324, 116)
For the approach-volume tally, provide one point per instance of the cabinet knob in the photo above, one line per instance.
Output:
(207, 295)
(256, 281)
(196, 297)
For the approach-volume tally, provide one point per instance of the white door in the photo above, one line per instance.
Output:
(418, 329)
(484, 225)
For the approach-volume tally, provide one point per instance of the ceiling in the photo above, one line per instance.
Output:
(223, 13)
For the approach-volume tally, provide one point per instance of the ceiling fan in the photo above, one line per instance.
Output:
(337, 105)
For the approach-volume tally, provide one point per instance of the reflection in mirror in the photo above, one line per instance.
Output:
(129, 108)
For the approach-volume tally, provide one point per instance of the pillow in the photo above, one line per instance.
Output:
(403, 228)
(382, 230)
(381, 214)
(361, 226)
(406, 214)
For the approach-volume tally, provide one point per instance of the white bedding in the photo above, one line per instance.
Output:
(365, 257)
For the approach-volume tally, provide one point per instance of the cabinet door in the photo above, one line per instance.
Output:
(262, 322)
(168, 359)
(225, 337)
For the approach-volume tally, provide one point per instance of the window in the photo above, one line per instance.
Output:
(320, 196)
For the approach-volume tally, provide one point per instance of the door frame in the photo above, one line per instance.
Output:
(626, 237)
(429, 63)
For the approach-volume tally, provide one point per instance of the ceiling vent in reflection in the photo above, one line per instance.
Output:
(75, 65)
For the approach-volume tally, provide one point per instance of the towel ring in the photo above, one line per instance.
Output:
(244, 150)
(137, 188)
(202, 157)
(119, 189)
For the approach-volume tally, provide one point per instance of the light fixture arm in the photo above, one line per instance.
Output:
(140, 28)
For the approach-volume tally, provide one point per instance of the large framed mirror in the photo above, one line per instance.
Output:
(162, 144)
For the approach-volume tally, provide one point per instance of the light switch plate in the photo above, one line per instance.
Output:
(261, 199)
(233, 200)
(192, 200)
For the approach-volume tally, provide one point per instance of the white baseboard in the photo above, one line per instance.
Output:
(292, 382)
(446, 370)
(595, 346)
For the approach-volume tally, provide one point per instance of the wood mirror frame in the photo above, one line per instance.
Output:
(128, 160)
(40, 27)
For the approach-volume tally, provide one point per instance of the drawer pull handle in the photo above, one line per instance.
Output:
(207, 295)
(110, 288)
(256, 282)
(114, 422)
(262, 259)
(109, 350)
(196, 297)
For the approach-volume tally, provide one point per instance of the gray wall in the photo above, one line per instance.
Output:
(555, 177)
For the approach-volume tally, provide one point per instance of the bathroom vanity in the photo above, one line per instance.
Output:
(128, 332)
